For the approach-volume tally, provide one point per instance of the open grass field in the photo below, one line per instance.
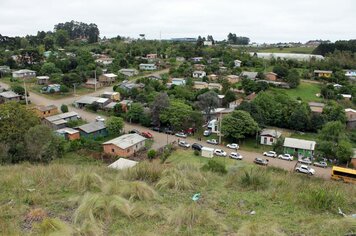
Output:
(306, 91)
(302, 50)
(70, 198)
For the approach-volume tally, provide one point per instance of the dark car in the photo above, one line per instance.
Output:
(134, 131)
(260, 161)
(197, 146)
(157, 129)
(168, 131)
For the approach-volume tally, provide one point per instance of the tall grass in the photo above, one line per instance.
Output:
(53, 227)
(253, 179)
(144, 171)
(138, 190)
(87, 181)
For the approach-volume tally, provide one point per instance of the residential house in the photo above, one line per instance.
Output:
(199, 74)
(347, 97)
(197, 59)
(223, 69)
(200, 85)
(104, 61)
(125, 145)
(251, 97)
(4, 70)
(147, 66)
(275, 83)
(122, 164)
(129, 72)
(353, 159)
(180, 59)
(68, 133)
(215, 86)
(323, 73)
(199, 67)
(45, 111)
(178, 81)
(249, 75)
(85, 101)
(127, 85)
(24, 74)
(111, 105)
(107, 79)
(125, 104)
(208, 43)
(302, 147)
(235, 103)
(60, 121)
(316, 107)
(269, 136)
(271, 76)
(102, 102)
(42, 80)
(114, 96)
(51, 88)
(154, 77)
(94, 129)
(151, 56)
(350, 73)
(212, 77)
(237, 63)
(233, 79)
(350, 118)
(93, 83)
(217, 112)
(9, 96)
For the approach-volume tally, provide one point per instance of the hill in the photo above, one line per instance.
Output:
(76, 197)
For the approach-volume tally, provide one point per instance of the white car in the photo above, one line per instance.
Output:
(286, 157)
(270, 154)
(235, 155)
(212, 141)
(99, 118)
(181, 135)
(305, 170)
(306, 161)
(207, 132)
(322, 164)
(220, 152)
(233, 146)
(184, 144)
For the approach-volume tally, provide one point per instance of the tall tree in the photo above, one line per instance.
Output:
(207, 102)
(160, 103)
(114, 125)
(135, 112)
(61, 37)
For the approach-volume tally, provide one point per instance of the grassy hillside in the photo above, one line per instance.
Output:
(306, 91)
(65, 198)
(302, 50)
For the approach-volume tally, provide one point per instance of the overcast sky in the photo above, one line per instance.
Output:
(261, 21)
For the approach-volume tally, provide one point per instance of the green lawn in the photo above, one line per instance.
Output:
(75, 196)
(306, 91)
(302, 50)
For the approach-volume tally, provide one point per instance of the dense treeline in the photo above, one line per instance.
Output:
(341, 45)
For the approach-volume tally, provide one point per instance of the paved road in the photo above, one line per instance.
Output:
(161, 139)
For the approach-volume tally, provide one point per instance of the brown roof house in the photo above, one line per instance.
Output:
(316, 107)
(271, 76)
(233, 79)
(45, 111)
(125, 145)
(350, 118)
(107, 79)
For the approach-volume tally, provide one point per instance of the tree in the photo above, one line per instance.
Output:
(208, 102)
(160, 103)
(334, 112)
(49, 68)
(300, 118)
(344, 151)
(230, 96)
(333, 131)
(48, 42)
(61, 38)
(280, 70)
(135, 112)
(42, 145)
(114, 125)
(238, 125)
(293, 78)
(64, 108)
(18, 89)
(178, 115)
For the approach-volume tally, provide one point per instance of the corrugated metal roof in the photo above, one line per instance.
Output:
(299, 143)
(92, 127)
(123, 163)
(126, 140)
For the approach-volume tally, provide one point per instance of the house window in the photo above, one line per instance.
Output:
(271, 140)
(112, 150)
(264, 140)
(128, 150)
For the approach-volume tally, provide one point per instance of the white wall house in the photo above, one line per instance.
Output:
(269, 136)
(148, 67)
(237, 63)
(199, 74)
(178, 81)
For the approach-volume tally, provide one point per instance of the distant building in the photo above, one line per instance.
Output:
(350, 118)
(208, 43)
(45, 111)
(197, 59)
(128, 72)
(269, 136)
(200, 85)
(235, 103)
(347, 97)
(304, 148)
(85, 101)
(147, 66)
(151, 56)
(128, 85)
(323, 73)
(213, 77)
(316, 107)
(199, 74)
(93, 83)
(215, 86)
(93, 130)
(114, 96)
(233, 79)
(104, 61)
(237, 63)
(60, 121)
(68, 133)
(249, 75)
(51, 88)
(42, 80)
(199, 67)
(350, 73)
(9, 96)
(125, 145)
(107, 79)
(24, 74)
(178, 81)
(271, 76)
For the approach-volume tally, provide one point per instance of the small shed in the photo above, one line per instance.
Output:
(123, 163)
(302, 147)
(269, 136)
(207, 152)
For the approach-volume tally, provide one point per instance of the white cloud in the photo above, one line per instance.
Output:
(262, 21)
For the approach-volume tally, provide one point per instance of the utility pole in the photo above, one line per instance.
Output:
(95, 81)
(220, 127)
(74, 89)
(24, 85)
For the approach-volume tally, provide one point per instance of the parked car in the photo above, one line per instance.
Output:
(147, 134)
(183, 143)
(181, 135)
(207, 132)
(189, 131)
(233, 146)
(260, 161)
(157, 129)
(306, 161)
(134, 131)
(322, 164)
(197, 146)
(212, 141)
(220, 152)
(99, 118)
(286, 157)
(305, 170)
(168, 131)
(235, 155)
(270, 154)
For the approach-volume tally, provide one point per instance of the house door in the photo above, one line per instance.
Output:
(264, 140)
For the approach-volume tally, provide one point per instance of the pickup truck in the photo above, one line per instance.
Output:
(322, 164)
(305, 170)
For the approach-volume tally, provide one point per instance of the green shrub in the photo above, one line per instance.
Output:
(196, 153)
(144, 171)
(151, 154)
(255, 179)
(64, 108)
(215, 166)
